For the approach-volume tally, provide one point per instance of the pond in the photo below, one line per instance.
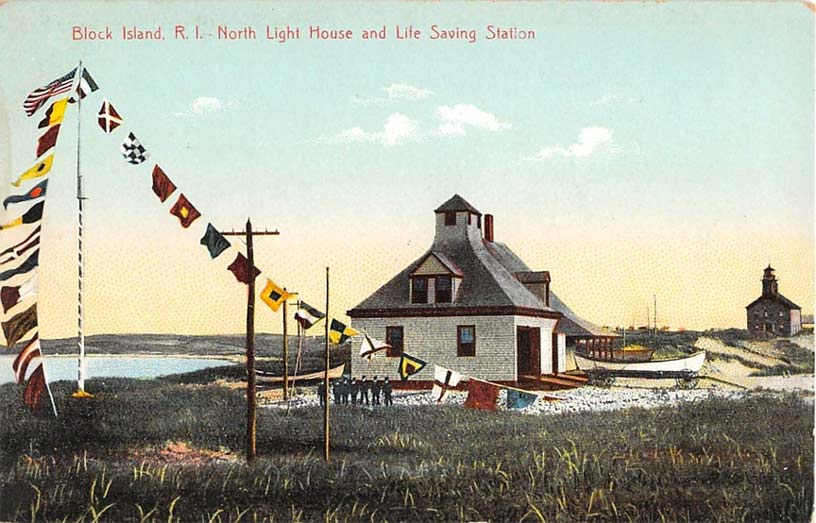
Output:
(64, 368)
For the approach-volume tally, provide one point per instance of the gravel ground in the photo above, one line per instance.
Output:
(575, 400)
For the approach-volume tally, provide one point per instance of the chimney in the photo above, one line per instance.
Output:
(547, 289)
(488, 223)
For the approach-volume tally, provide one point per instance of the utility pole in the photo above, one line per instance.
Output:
(326, 379)
(250, 334)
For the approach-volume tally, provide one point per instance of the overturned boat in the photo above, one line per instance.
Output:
(683, 369)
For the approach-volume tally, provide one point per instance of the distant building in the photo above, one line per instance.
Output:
(773, 314)
(470, 304)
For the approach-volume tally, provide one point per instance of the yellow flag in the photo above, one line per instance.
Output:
(273, 295)
(41, 169)
(54, 114)
(339, 333)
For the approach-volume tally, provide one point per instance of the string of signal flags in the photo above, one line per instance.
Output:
(20, 238)
(19, 278)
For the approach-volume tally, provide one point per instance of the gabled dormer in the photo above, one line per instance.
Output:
(436, 279)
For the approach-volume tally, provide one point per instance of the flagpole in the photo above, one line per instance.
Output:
(326, 379)
(299, 348)
(80, 256)
(48, 385)
(285, 354)
(250, 346)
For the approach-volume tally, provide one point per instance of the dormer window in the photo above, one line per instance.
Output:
(444, 289)
(450, 218)
(419, 289)
(435, 280)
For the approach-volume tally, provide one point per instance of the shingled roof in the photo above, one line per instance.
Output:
(489, 281)
(570, 324)
(457, 203)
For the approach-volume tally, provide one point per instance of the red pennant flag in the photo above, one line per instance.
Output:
(239, 269)
(34, 389)
(184, 211)
(481, 395)
(162, 186)
(47, 140)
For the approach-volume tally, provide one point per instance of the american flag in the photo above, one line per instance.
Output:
(39, 96)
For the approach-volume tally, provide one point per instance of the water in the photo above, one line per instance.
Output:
(113, 366)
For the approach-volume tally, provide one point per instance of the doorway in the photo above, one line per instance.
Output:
(528, 352)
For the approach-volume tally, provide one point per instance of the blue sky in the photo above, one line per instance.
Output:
(686, 123)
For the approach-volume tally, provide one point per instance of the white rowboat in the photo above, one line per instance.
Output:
(685, 367)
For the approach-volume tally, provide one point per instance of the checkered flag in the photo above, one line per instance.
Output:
(133, 150)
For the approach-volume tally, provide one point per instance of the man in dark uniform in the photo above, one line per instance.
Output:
(336, 387)
(365, 385)
(375, 396)
(355, 390)
(387, 392)
(321, 392)
(346, 390)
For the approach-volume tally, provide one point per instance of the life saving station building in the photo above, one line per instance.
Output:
(471, 305)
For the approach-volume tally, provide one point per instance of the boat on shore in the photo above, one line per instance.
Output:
(622, 355)
(265, 378)
(679, 368)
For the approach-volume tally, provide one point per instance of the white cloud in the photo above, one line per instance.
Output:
(591, 140)
(406, 92)
(456, 119)
(398, 129)
(201, 106)
(393, 93)
(612, 98)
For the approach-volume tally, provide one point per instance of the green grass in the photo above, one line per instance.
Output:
(713, 460)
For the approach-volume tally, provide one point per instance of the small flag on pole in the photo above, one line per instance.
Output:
(307, 315)
(48, 140)
(107, 117)
(519, 399)
(162, 186)
(444, 379)
(409, 365)
(39, 96)
(32, 215)
(133, 150)
(11, 296)
(41, 168)
(184, 211)
(239, 269)
(29, 353)
(86, 86)
(28, 265)
(339, 333)
(481, 395)
(34, 389)
(38, 191)
(370, 346)
(15, 328)
(54, 114)
(214, 241)
(274, 295)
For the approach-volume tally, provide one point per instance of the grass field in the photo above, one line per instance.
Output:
(105, 460)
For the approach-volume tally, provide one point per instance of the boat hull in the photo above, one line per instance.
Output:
(674, 368)
(626, 355)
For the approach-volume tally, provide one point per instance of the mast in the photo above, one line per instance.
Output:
(326, 382)
(80, 257)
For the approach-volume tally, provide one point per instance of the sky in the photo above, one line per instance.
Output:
(634, 150)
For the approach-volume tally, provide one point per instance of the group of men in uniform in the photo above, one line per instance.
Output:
(357, 391)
